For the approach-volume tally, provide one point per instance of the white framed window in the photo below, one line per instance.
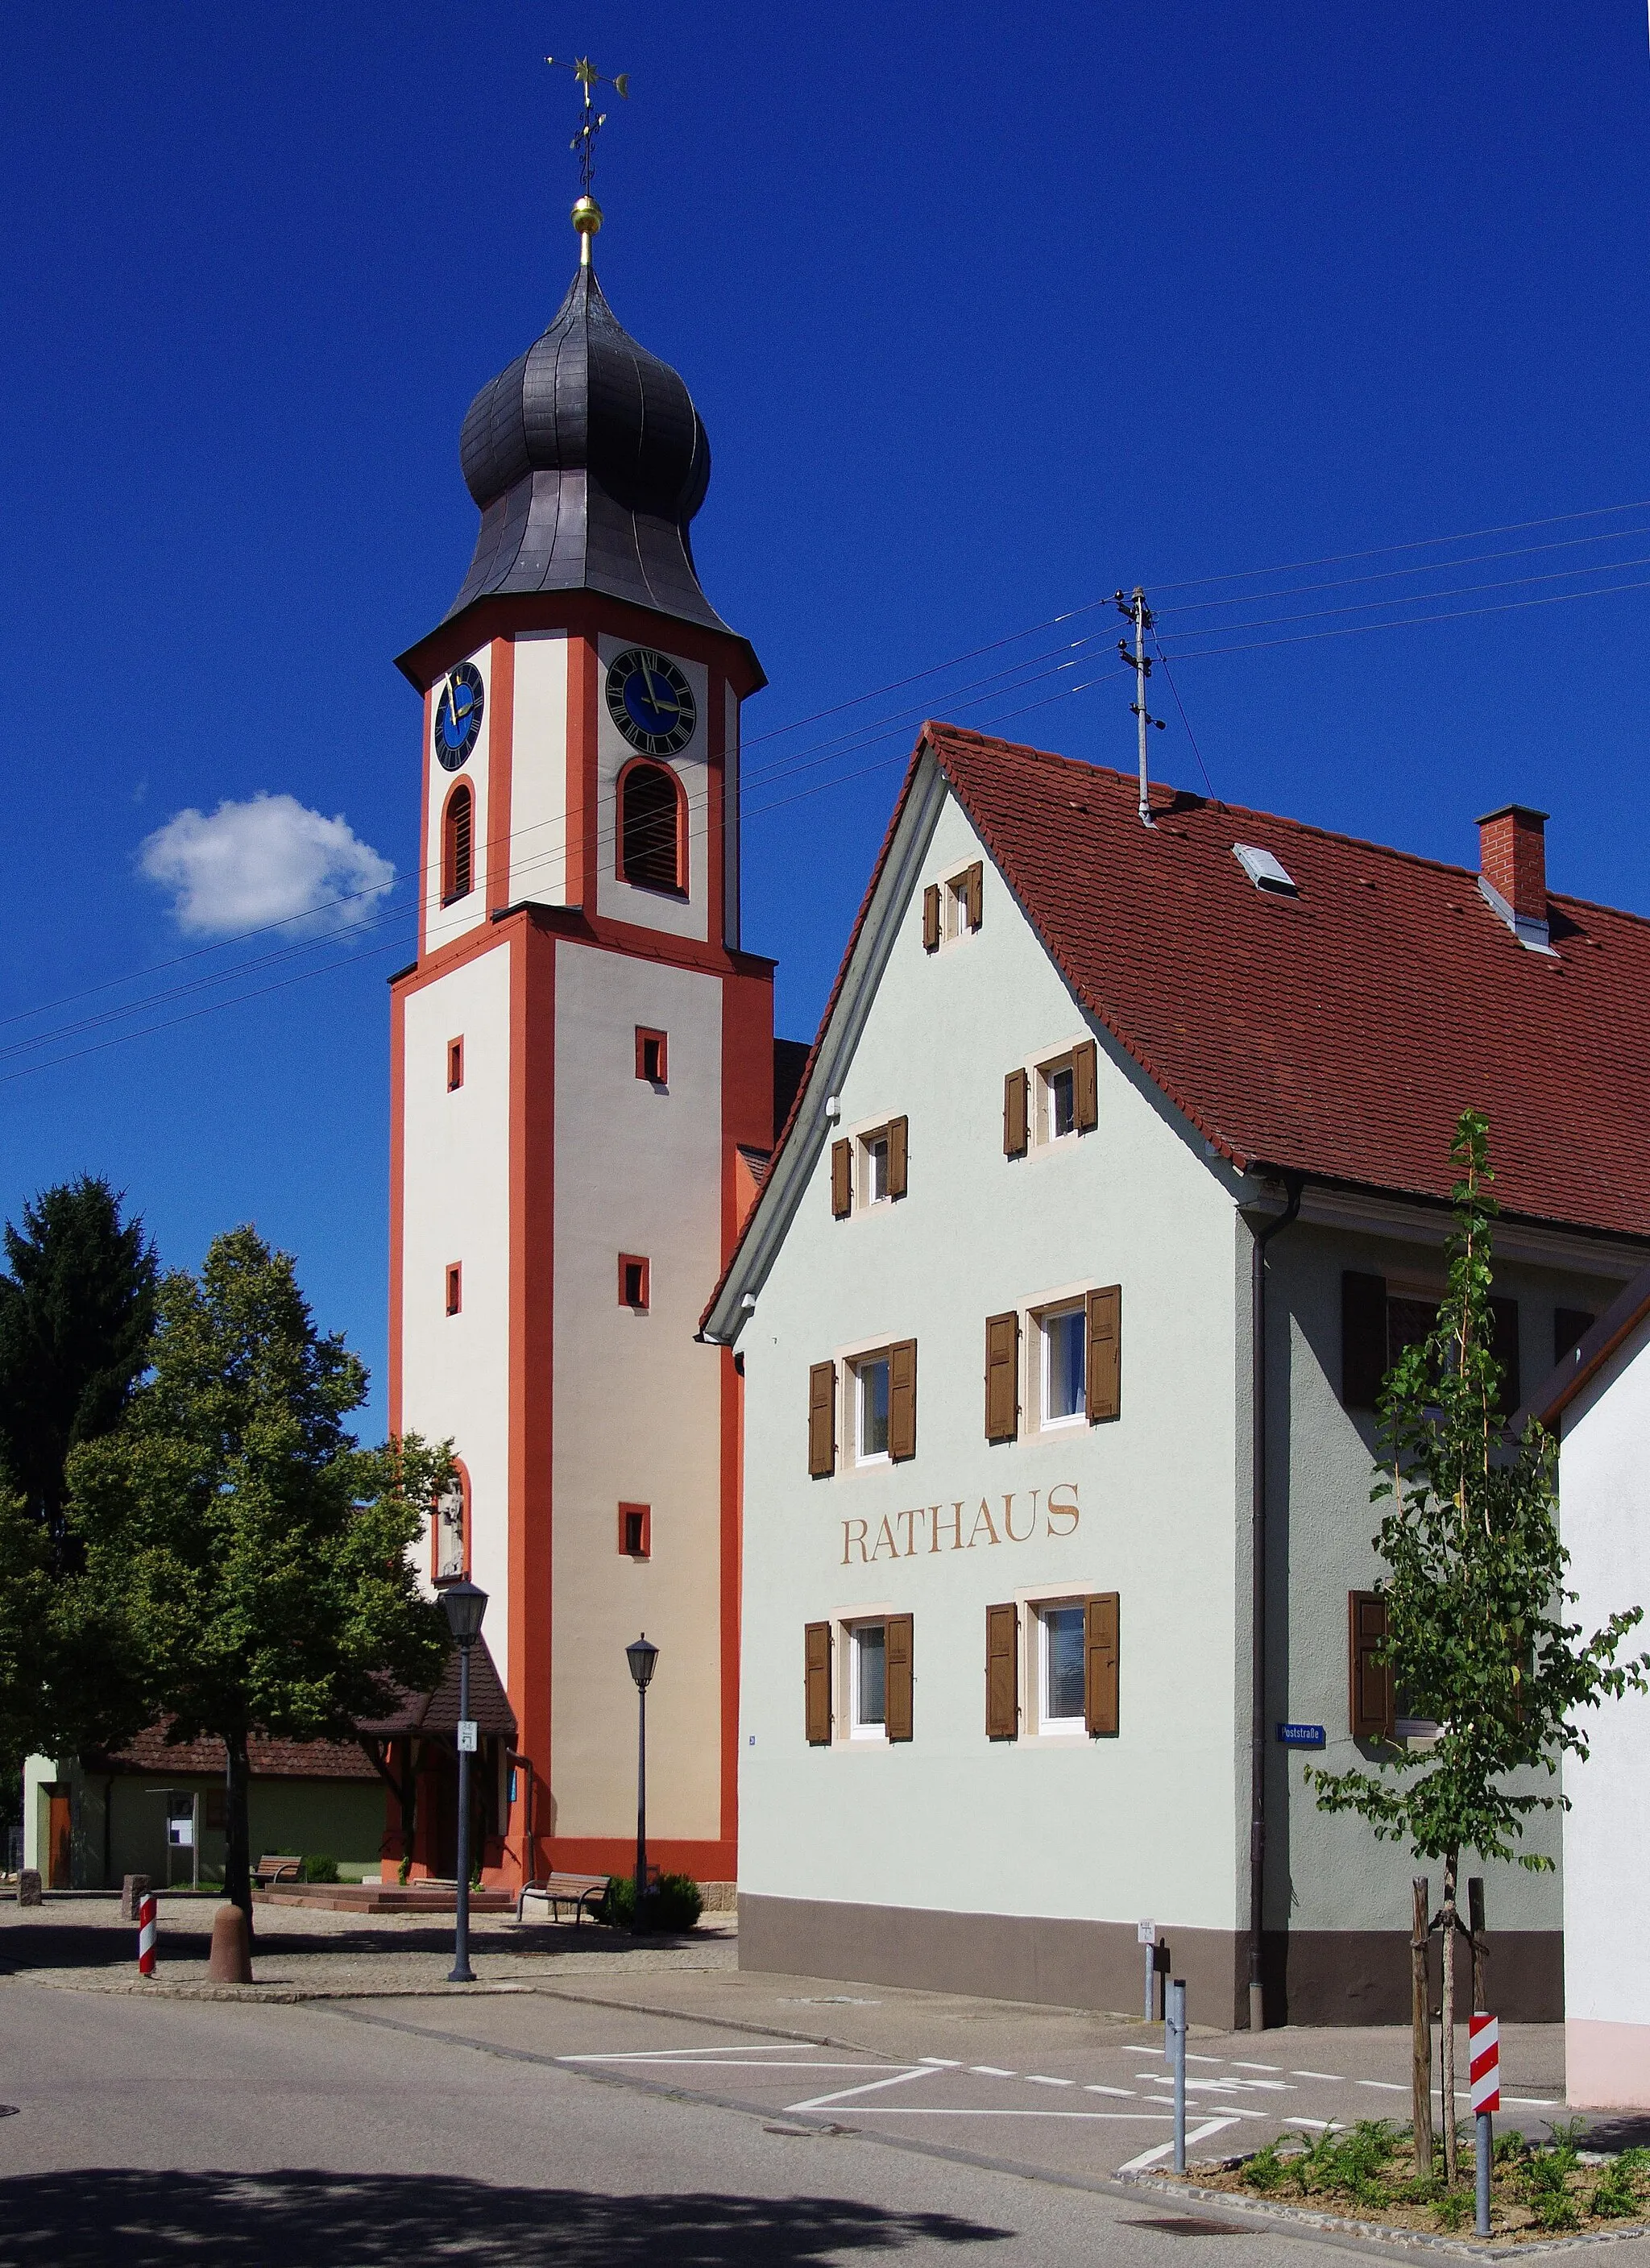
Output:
(1062, 1352)
(1060, 1666)
(1057, 1100)
(873, 1167)
(868, 1681)
(870, 1377)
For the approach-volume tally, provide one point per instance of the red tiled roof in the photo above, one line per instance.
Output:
(438, 1712)
(1339, 1033)
(151, 1754)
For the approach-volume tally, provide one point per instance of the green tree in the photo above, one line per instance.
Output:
(248, 1558)
(76, 1315)
(1475, 1598)
(76, 1310)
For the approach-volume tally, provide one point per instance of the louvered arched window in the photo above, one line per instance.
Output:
(649, 829)
(458, 861)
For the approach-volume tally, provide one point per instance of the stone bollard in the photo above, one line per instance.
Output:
(230, 1962)
(29, 1891)
(134, 1889)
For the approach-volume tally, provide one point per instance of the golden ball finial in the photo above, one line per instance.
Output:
(586, 216)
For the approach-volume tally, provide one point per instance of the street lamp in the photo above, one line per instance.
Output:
(641, 1655)
(464, 1604)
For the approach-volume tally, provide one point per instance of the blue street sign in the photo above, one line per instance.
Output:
(1301, 1736)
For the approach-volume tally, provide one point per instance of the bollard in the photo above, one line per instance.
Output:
(1174, 2046)
(147, 1909)
(134, 1889)
(29, 1893)
(230, 1959)
(1483, 2053)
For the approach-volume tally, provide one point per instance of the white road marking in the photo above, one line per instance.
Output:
(1192, 2058)
(992, 2070)
(941, 2063)
(721, 2062)
(1530, 2102)
(1237, 2065)
(1091, 2088)
(660, 2055)
(1335, 2075)
(962, 2110)
(1038, 2079)
(898, 2079)
(1319, 2125)
(1196, 2086)
(1166, 2149)
(1387, 2086)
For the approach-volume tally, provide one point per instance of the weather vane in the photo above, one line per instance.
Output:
(587, 212)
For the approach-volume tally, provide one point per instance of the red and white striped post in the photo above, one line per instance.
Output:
(146, 1911)
(1484, 2055)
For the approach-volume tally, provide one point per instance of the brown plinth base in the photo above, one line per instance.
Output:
(382, 1897)
(1313, 1976)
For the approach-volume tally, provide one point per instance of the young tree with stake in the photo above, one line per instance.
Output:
(249, 1557)
(1474, 1597)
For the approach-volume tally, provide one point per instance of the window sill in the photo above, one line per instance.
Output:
(656, 889)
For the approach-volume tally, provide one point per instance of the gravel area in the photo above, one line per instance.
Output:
(80, 1943)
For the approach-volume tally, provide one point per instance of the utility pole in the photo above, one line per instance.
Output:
(1134, 610)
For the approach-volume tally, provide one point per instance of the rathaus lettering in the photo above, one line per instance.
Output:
(949, 1527)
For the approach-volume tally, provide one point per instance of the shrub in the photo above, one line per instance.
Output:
(1451, 2207)
(673, 1902)
(318, 1869)
(1265, 2171)
(1616, 2196)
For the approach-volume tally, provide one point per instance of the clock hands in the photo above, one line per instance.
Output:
(662, 708)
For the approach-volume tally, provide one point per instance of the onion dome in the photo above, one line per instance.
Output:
(588, 460)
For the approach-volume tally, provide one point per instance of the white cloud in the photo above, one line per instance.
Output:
(267, 860)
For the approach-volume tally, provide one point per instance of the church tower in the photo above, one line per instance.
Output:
(582, 1084)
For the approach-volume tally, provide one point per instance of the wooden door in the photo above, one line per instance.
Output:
(57, 1840)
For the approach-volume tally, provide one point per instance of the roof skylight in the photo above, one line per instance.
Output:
(1265, 872)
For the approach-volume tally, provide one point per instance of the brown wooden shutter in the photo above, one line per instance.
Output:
(898, 1689)
(931, 919)
(1002, 1377)
(1504, 1347)
(1363, 1339)
(1100, 1663)
(899, 1142)
(819, 1684)
(1104, 1368)
(842, 1180)
(974, 882)
(902, 1399)
(1085, 1088)
(1002, 1673)
(1016, 1114)
(1369, 1681)
(821, 1420)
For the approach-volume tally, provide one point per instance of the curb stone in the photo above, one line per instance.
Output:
(1452, 2248)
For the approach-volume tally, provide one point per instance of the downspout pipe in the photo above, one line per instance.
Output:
(1293, 1184)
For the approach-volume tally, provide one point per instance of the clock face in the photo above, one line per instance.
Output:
(651, 702)
(459, 708)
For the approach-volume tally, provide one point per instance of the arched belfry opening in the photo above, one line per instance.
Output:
(652, 853)
(457, 844)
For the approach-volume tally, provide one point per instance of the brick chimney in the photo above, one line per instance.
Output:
(1513, 870)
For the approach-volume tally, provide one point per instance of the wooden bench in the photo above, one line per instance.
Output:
(275, 1869)
(579, 1891)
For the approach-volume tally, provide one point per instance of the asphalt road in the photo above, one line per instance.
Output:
(539, 2132)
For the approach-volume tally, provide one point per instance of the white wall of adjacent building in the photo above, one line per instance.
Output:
(1055, 1825)
(1604, 1501)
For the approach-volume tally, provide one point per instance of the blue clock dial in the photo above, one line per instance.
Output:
(651, 702)
(459, 708)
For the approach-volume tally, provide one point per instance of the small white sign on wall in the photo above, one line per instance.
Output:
(1145, 1933)
(466, 1736)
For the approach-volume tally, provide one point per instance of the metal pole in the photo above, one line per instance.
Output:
(1177, 2044)
(462, 1973)
(1151, 1966)
(636, 1921)
(195, 1840)
(1139, 699)
(1484, 2152)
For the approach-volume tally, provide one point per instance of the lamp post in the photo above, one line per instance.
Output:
(464, 1604)
(641, 1655)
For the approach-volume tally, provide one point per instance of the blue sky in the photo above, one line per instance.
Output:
(986, 315)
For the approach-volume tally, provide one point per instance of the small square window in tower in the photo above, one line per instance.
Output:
(651, 829)
(455, 1287)
(636, 1531)
(455, 1065)
(652, 1056)
(634, 1286)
